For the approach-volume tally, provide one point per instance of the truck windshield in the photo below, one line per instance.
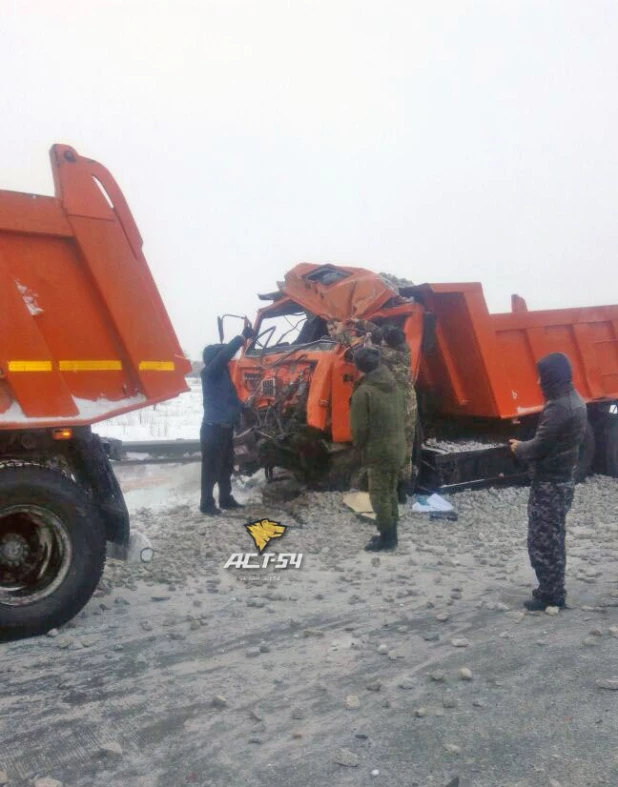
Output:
(281, 331)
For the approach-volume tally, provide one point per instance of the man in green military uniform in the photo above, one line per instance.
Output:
(397, 356)
(378, 420)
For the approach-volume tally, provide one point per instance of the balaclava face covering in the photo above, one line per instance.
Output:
(556, 374)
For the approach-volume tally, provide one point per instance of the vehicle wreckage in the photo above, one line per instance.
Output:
(474, 372)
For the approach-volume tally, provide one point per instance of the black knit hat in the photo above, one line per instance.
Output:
(367, 359)
(394, 336)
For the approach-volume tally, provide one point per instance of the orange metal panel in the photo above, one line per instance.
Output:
(77, 293)
(32, 214)
(38, 393)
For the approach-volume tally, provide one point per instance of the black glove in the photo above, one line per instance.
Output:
(248, 332)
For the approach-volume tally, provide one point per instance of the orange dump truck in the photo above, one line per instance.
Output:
(84, 336)
(475, 375)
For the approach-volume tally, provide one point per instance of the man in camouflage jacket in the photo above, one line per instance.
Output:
(553, 455)
(397, 356)
(377, 420)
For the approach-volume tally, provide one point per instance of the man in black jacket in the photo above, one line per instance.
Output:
(222, 408)
(552, 454)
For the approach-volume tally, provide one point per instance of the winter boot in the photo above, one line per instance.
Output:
(229, 503)
(541, 604)
(384, 542)
(210, 509)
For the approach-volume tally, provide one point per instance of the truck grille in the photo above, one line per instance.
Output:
(268, 387)
(252, 380)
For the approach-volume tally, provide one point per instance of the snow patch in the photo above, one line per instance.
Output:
(30, 298)
(89, 410)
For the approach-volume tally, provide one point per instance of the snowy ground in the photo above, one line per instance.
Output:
(177, 419)
(347, 671)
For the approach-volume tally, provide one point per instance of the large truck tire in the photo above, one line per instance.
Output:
(52, 550)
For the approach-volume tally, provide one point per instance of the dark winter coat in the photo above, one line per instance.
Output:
(378, 419)
(221, 402)
(554, 450)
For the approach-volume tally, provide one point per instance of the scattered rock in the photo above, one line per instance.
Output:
(352, 702)
(111, 750)
(383, 649)
(420, 713)
(4, 779)
(219, 701)
(438, 676)
(454, 782)
(465, 673)
(442, 617)
(313, 633)
(610, 684)
(374, 685)
(252, 652)
(553, 611)
(156, 598)
(256, 714)
(47, 782)
(347, 758)
(452, 748)
(591, 641)
(50, 633)
(449, 701)
(516, 616)
(255, 739)
(407, 683)
(460, 642)
(298, 714)
(596, 632)
(375, 772)
(264, 648)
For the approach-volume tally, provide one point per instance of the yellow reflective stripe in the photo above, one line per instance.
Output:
(30, 366)
(90, 366)
(157, 366)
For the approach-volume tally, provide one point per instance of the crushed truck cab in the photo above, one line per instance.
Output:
(475, 374)
(84, 336)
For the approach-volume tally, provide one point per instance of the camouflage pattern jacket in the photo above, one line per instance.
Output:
(378, 419)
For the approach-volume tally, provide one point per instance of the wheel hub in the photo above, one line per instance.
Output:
(14, 549)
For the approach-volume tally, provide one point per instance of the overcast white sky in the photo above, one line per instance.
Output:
(449, 140)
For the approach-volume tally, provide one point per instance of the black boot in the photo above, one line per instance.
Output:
(210, 509)
(229, 503)
(402, 495)
(541, 604)
(384, 542)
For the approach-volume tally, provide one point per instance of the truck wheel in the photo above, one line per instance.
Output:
(52, 550)
(586, 455)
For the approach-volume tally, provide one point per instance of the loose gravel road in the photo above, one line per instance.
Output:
(412, 668)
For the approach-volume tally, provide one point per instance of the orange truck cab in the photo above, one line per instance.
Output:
(84, 336)
(475, 374)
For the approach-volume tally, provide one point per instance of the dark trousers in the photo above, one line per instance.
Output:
(548, 507)
(217, 461)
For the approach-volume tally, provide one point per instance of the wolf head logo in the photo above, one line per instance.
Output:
(263, 531)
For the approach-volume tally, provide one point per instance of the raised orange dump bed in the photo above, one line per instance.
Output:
(484, 365)
(84, 334)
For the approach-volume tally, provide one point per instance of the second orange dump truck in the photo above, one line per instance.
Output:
(475, 375)
(84, 336)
